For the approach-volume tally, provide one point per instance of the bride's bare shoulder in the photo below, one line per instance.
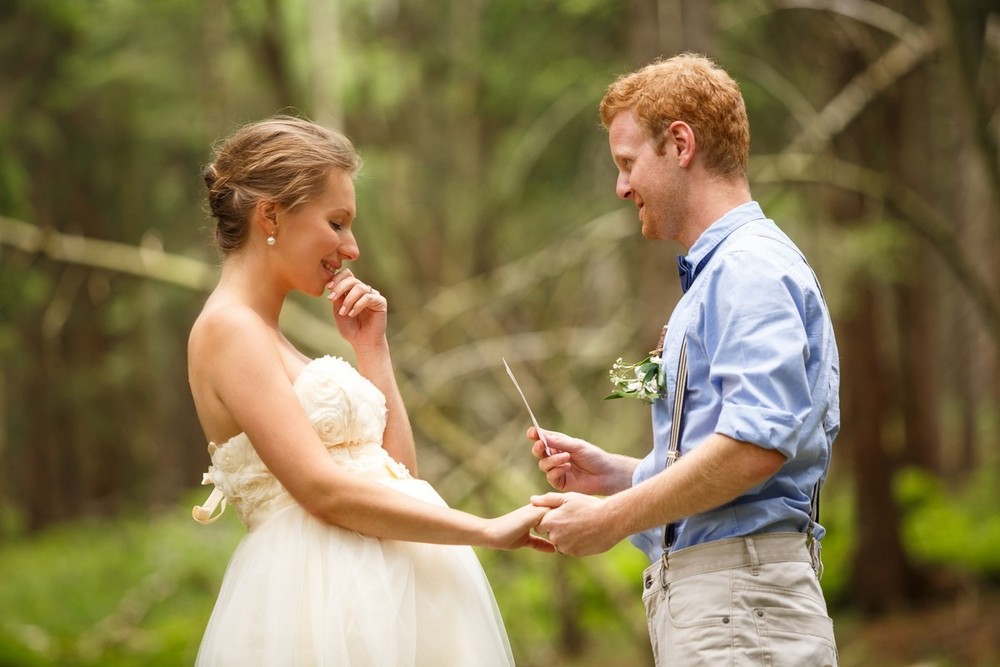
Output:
(229, 326)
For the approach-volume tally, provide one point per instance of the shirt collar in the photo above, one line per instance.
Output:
(702, 250)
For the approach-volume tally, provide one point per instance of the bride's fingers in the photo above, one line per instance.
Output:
(340, 278)
(540, 544)
(357, 297)
(343, 285)
(537, 514)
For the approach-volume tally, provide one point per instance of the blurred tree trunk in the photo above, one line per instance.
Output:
(969, 188)
(5, 381)
(881, 360)
(662, 28)
(463, 137)
(42, 449)
(917, 291)
(268, 39)
(882, 576)
(325, 56)
(917, 309)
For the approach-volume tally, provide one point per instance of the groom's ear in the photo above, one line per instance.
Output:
(684, 142)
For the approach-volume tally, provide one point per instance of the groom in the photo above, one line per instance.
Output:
(725, 505)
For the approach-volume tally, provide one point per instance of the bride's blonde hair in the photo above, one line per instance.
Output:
(282, 159)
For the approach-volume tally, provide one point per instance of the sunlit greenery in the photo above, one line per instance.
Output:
(138, 590)
(488, 216)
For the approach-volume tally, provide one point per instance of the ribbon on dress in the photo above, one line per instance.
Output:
(203, 513)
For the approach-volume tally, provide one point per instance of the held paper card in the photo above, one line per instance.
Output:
(534, 422)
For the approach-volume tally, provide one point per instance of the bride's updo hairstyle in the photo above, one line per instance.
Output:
(283, 159)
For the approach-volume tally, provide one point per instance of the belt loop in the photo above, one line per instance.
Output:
(663, 571)
(754, 559)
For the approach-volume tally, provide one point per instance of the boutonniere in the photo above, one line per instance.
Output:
(645, 380)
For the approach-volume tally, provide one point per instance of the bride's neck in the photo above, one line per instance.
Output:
(242, 282)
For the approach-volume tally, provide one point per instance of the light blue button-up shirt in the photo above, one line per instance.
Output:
(762, 367)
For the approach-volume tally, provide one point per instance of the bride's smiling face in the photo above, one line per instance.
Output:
(315, 238)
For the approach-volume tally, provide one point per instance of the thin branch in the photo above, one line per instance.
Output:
(549, 261)
(147, 261)
(782, 90)
(537, 139)
(848, 104)
(864, 11)
(920, 216)
(152, 263)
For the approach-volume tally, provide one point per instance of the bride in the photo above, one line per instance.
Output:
(349, 558)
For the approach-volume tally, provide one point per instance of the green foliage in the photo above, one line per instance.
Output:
(595, 600)
(956, 528)
(482, 217)
(138, 591)
(133, 591)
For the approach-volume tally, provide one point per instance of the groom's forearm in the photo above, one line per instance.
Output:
(620, 473)
(714, 473)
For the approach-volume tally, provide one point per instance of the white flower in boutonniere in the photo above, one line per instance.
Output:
(644, 380)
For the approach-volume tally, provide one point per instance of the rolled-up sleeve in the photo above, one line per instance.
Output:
(755, 341)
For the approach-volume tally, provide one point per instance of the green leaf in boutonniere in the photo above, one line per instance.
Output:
(643, 380)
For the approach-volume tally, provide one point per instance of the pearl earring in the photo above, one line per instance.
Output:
(271, 240)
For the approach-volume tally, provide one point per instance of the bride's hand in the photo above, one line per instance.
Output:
(513, 530)
(359, 310)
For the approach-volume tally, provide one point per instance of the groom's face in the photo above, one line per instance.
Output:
(646, 176)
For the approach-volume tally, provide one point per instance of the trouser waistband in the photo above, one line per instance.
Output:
(749, 552)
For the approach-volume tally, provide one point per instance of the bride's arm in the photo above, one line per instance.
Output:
(361, 315)
(375, 364)
(246, 374)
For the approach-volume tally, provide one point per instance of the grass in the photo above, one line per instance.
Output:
(138, 590)
(133, 591)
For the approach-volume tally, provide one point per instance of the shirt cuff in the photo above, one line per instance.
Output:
(767, 428)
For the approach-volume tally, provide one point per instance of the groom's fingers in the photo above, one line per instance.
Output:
(536, 434)
(550, 500)
(556, 467)
(545, 461)
(538, 448)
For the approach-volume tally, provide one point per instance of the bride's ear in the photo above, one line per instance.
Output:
(265, 214)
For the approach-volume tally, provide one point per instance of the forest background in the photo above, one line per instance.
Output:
(488, 218)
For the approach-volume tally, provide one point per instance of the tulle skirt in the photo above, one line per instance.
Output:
(302, 592)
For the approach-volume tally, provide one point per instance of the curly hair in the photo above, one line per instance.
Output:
(692, 88)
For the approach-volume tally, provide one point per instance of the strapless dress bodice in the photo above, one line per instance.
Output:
(348, 413)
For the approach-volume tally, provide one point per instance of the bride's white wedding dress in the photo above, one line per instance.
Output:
(300, 591)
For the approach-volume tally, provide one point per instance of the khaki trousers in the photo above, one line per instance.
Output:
(742, 601)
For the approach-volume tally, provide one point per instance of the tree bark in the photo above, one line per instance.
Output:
(882, 576)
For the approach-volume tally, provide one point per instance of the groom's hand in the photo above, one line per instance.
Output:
(577, 465)
(575, 523)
